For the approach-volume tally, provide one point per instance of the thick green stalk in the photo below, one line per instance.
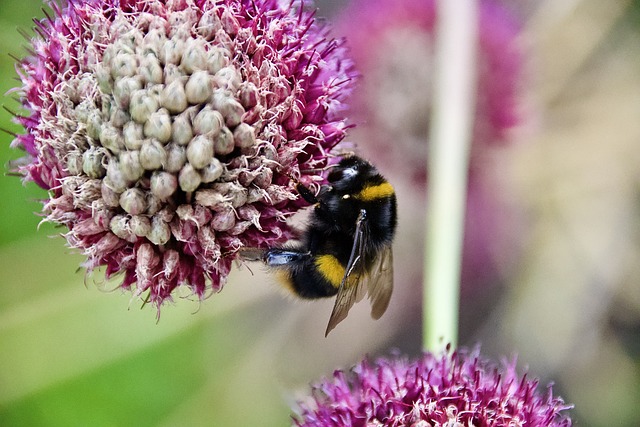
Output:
(451, 129)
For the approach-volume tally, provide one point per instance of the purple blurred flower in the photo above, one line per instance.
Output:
(456, 390)
(392, 44)
(167, 132)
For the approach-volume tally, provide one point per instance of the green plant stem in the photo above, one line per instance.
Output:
(449, 139)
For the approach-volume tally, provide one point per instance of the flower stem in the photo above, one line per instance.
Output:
(451, 129)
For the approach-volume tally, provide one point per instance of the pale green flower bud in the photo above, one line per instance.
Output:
(133, 201)
(189, 178)
(92, 162)
(181, 131)
(173, 97)
(142, 105)
(176, 157)
(124, 88)
(152, 154)
(160, 232)
(158, 126)
(200, 151)
(140, 225)
(224, 142)
(163, 184)
(198, 88)
(133, 134)
(212, 171)
(130, 165)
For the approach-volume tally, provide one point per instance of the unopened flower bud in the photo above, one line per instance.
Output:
(160, 232)
(74, 163)
(208, 121)
(130, 165)
(209, 25)
(133, 201)
(92, 162)
(212, 199)
(150, 69)
(244, 136)
(230, 109)
(119, 226)
(154, 205)
(119, 117)
(155, 38)
(94, 124)
(163, 184)
(198, 88)
(228, 79)
(200, 151)
(140, 225)
(224, 142)
(104, 79)
(189, 178)
(194, 56)
(111, 138)
(124, 64)
(223, 220)
(212, 171)
(158, 126)
(110, 197)
(133, 134)
(142, 105)
(115, 179)
(218, 58)
(123, 89)
(176, 157)
(263, 179)
(152, 155)
(174, 97)
(248, 95)
(171, 52)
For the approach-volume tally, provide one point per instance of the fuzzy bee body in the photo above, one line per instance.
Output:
(346, 248)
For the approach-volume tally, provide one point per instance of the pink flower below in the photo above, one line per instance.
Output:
(457, 389)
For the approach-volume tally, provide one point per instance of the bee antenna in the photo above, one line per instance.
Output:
(346, 154)
(315, 170)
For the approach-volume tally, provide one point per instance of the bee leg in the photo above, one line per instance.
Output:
(283, 257)
(252, 254)
(306, 193)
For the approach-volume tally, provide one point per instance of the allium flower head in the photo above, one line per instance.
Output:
(456, 390)
(168, 132)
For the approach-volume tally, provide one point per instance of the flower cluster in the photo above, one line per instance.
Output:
(456, 389)
(168, 132)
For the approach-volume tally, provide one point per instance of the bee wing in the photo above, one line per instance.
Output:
(380, 283)
(351, 288)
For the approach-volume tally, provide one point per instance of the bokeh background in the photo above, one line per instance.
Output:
(556, 280)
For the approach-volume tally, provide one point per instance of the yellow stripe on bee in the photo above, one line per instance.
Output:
(375, 192)
(331, 269)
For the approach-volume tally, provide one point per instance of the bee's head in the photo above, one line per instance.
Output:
(350, 172)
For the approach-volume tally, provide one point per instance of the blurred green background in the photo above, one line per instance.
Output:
(73, 352)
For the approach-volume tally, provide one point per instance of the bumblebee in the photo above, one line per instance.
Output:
(346, 248)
